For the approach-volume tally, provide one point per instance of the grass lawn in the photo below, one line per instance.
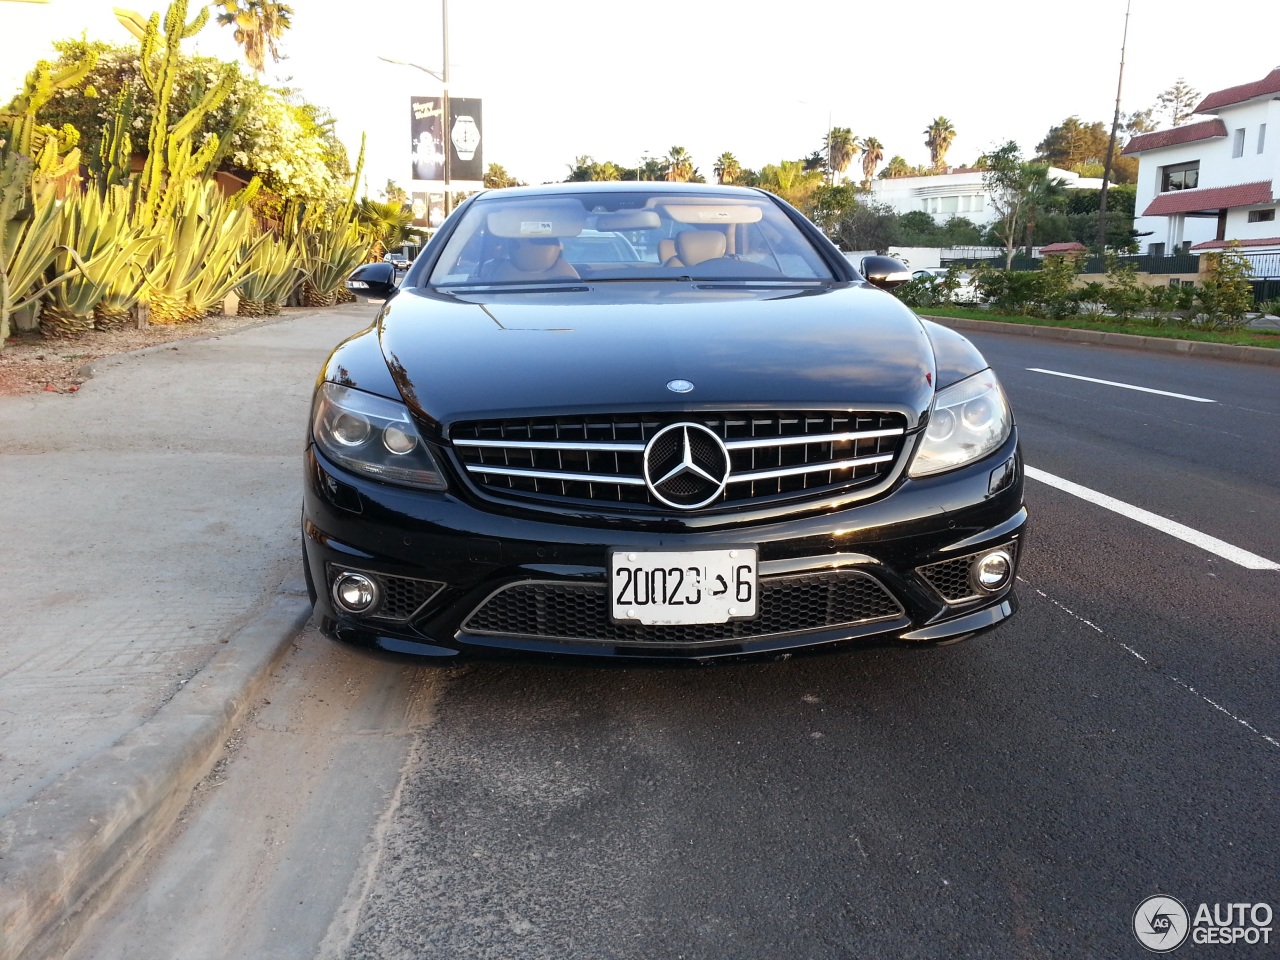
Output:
(1244, 338)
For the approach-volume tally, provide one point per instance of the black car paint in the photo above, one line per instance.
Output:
(484, 352)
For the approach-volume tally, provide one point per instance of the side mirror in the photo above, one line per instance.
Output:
(374, 280)
(885, 272)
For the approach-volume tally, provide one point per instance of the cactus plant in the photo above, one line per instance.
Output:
(172, 160)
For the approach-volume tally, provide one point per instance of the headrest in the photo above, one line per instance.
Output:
(695, 246)
(534, 256)
(552, 218)
(666, 249)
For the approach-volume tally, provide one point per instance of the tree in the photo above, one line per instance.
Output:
(394, 193)
(938, 137)
(496, 176)
(791, 181)
(677, 166)
(867, 226)
(1073, 143)
(726, 168)
(842, 147)
(1178, 102)
(1044, 194)
(918, 229)
(872, 154)
(896, 167)
(1140, 121)
(585, 168)
(258, 25)
(1008, 180)
(386, 224)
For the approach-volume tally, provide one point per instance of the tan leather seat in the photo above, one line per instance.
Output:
(534, 259)
(666, 249)
(695, 246)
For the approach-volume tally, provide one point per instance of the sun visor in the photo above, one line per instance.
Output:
(560, 218)
(712, 213)
(629, 220)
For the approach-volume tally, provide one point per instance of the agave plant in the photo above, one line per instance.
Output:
(274, 268)
(333, 248)
(109, 244)
(28, 239)
(202, 256)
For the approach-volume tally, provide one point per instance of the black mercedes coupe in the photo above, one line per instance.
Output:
(654, 421)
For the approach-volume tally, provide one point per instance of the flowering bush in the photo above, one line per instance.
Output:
(287, 142)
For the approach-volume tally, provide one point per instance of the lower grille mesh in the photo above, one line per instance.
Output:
(580, 611)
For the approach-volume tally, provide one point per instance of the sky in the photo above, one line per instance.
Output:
(564, 78)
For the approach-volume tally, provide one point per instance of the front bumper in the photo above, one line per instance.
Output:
(496, 582)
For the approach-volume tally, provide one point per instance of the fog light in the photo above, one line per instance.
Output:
(991, 571)
(355, 593)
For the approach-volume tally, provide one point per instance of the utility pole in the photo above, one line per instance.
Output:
(443, 77)
(1111, 146)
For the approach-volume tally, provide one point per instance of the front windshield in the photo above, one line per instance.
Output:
(628, 235)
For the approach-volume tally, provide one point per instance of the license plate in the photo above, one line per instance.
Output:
(357, 285)
(656, 587)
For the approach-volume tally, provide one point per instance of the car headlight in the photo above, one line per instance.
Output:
(373, 436)
(970, 419)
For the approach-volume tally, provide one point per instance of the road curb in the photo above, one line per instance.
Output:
(1195, 348)
(65, 851)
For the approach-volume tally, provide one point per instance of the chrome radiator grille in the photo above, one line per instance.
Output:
(772, 455)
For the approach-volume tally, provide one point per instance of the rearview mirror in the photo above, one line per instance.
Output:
(373, 280)
(885, 272)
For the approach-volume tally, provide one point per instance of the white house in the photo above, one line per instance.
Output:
(1205, 184)
(957, 193)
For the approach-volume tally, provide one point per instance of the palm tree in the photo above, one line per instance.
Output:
(842, 146)
(678, 165)
(726, 168)
(258, 25)
(1044, 194)
(872, 154)
(387, 224)
(898, 167)
(938, 137)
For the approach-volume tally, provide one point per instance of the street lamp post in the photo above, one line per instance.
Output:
(443, 77)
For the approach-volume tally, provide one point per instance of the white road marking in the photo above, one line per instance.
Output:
(1126, 386)
(1221, 548)
(1185, 686)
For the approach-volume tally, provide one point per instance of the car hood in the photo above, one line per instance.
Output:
(617, 347)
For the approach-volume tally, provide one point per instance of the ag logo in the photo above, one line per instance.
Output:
(1161, 924)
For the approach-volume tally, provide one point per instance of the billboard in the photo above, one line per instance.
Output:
(430, 140)
(428, 209)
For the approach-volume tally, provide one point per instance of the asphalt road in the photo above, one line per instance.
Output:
(1014, 796)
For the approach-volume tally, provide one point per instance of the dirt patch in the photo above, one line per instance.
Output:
(32, 363)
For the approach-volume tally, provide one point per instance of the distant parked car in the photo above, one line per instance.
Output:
(966, 292)
(401, 260)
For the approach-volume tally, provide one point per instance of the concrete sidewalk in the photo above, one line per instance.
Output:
(152, 576)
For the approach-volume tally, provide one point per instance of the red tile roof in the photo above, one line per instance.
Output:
(1214, 198)
(1223, 244)
(1270, 84)
(1069, 246)
(1187, 133)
